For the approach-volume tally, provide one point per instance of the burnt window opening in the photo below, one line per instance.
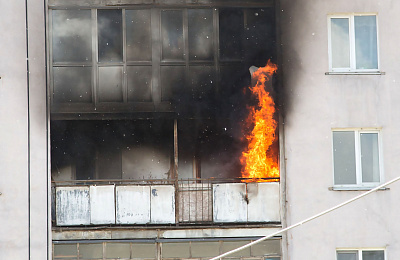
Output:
(143, 149)
(112, 149)
(190, 62)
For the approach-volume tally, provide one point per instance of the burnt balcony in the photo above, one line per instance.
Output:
(165, 202)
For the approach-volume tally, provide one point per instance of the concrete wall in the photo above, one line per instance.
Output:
(316, 103)
(23, 139)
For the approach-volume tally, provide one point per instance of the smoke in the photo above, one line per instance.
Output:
(208, 98)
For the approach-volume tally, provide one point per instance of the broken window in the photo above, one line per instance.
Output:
(112, 149)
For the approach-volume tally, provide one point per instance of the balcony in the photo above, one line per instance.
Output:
(165, 202)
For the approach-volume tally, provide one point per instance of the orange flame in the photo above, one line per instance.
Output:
(260, 159)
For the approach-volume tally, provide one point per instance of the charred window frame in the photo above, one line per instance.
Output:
(361, 254)
(91, 61)
(357, 158)
(94, 70)
(353, 42)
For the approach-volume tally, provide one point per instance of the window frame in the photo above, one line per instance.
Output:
(357, 145)
(158, 101)
(361, 250)
(352, 47)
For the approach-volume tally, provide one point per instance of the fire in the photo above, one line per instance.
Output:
(259, 159)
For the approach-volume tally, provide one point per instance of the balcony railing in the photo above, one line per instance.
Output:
(142, 202)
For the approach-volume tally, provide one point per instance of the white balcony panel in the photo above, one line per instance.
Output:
(72, 206)
(133, 204)
(229, 204)
(263, 203)
(102, 205)
(162, 204)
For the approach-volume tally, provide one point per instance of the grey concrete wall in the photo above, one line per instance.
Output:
(316, 103)
(23, 182)
(40, 224)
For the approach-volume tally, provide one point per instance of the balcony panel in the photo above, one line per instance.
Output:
(162, 206)
(230, 202)
(102, 205)
(198, 201)
(72, 206)
(133, 204)
(246, 202)
(263, 201)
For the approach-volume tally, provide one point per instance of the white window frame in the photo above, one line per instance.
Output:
(360, 250)
(357, 144)
(352, 67)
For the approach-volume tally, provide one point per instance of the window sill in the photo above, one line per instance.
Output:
(356, 73)
(354, 188)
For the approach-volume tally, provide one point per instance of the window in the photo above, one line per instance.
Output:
(361, 254)
(168, 250)
(353, 43)
(154, 59)
(357, 158)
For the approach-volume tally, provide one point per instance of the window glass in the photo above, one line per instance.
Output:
(110, 84)
(340, 43)
(228, 246)
(65, 251)
(172, 35)
(373, 255)
(142, 250)
(200, 34)
(369, 157)
(72, 84)
(205, 249)
(139, 83)
(267, 247)
(138, 35)
(366, 42)
(353, 255)
(72, 36)
(175, 250)
(109, 26)
(344, 157)
(118, 250)
(91, 251)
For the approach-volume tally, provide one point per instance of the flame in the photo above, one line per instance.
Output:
(260, 159)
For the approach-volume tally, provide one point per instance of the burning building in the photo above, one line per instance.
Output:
(132, 129)
(151, 131)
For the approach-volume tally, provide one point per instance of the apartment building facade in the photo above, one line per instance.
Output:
(131, 130)
(122, 128)
(340, 74)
